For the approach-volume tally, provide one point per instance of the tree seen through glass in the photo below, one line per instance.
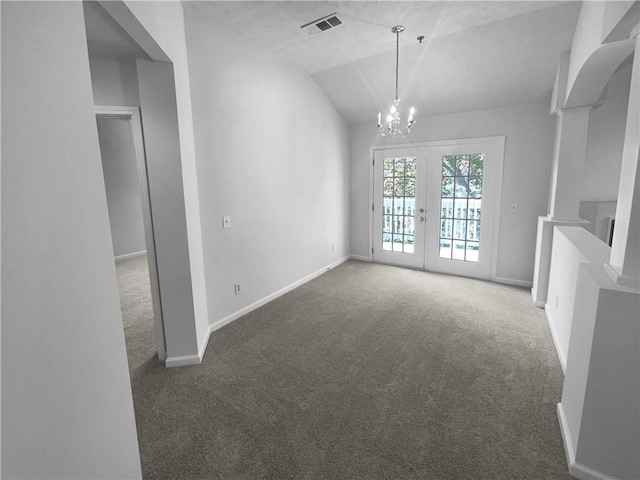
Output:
(461, 206)
(398, 204)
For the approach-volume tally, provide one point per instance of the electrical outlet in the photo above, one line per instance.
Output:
(226, 221)
(236, 288)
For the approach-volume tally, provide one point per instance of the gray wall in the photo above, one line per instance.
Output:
(605, 140)
(114, 81)
(272, 152)
(67, 410)
(529, 134)
(122, 185)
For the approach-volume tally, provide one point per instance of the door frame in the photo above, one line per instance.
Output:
(132, 115)
(500, 139)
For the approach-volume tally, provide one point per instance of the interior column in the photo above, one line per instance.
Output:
(624, 264)
(599, 413)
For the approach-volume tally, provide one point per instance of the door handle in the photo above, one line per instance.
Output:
(421, 219)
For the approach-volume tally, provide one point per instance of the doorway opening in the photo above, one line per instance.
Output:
(130, 217)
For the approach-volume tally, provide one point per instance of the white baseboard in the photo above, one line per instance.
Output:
(182, 361)
(576, 469)
(537, 303)
(249, 308)
(554, 336)
(513, 281)
(131, 255)
(362, 258)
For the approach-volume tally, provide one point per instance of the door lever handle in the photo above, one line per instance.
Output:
(421, 219)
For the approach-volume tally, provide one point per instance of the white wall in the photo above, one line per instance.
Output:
(571, 247)
(529, 134)
(163, 22)
(272, 153)
(67, 410)
(597, 213)
(115, 82)
(122, 185)
(168, 212)
(605, 140)
(151, 86)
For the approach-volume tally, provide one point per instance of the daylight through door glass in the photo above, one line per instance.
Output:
(398, 204)
(461, 206)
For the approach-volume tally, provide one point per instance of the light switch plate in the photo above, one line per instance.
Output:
(226, 221)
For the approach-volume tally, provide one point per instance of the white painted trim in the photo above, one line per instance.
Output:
(512, 281)
(135, 128)
(372, 153)
(361, 258)
(599, 199)
(566, 437)
(130, 255)
(554, 336)
(437, 143)
(576, 469)
(501, 139)
(498, 205)
(249, 308)
(183, 361)
(537, 303)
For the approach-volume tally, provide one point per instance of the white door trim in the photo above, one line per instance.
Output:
(135, 126)
(501, 139)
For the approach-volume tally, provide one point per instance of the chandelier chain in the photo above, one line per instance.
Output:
(393, 125)
(397, 54)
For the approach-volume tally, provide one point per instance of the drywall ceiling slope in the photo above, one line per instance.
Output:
(476, 55)
(105, 38)
(275, 25)
(511, 61)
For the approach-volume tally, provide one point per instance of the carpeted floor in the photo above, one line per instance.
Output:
(367, 372)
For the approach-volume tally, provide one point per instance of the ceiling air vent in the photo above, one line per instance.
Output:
(322, 24)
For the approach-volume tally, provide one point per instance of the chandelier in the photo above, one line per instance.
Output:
(392, 125)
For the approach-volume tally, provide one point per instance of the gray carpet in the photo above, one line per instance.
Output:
(367, 372)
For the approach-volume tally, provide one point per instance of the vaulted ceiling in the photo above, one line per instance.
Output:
(475, 55)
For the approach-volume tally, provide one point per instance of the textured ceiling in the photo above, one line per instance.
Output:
(476, 55)
(366, 30)
(508, 62)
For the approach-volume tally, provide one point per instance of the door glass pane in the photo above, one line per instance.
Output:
(386, 241)
(461, 206)
(408, 244)
(447, 187)
(399, 204)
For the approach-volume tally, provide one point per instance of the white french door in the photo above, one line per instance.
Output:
(436, 206)
(399, 206)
